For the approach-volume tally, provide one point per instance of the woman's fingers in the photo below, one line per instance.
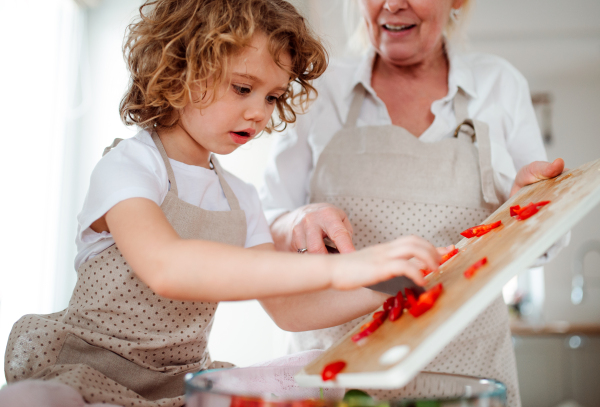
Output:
(314, 239)
(340, 232)
(537, 171)
(314, 222)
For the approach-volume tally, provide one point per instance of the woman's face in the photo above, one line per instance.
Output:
(406, 32)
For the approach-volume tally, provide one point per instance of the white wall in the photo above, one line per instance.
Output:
(556, 45)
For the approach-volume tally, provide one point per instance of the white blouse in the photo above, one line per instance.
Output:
(498, 95)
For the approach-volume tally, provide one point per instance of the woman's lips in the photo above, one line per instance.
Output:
(398, 30)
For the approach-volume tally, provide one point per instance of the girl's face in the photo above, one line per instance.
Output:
(244, 103)
(406, 32)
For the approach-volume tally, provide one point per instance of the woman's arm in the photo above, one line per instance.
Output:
(203, 270)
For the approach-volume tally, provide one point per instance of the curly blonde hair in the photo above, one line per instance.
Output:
(180, 45)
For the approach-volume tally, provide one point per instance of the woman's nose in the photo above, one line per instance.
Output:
(394, 5)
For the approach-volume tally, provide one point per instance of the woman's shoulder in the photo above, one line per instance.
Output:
(488, 67)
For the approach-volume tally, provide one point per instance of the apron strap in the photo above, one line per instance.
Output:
(355, 106)
(460, 106)
(231, 198)
(478, 130)
(163, 154)
(113, 145)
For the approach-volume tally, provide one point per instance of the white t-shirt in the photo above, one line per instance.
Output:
(497, 95)
(135, 169)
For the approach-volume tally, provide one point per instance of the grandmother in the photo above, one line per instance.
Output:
(412, 138)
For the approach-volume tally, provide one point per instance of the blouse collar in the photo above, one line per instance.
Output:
(459, 74)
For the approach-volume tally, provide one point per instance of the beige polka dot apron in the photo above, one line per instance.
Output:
(118, 342)
(390, 184)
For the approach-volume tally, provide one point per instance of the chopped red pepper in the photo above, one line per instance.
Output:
(331, 370)
(367, 329)
(448, 256)
(445, 258)
(410, 298)
(425, 301)
(388, 304)
(380, 315)
(527, 211)
(396, 311)
(470, 272)
(480, 230)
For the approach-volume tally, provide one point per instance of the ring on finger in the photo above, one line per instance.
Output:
(302, 250)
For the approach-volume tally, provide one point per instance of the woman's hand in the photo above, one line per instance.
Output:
(401, 257)
(307, 226)
(537, 171)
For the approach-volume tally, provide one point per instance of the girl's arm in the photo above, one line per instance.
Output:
(322, 309)
(200, 270)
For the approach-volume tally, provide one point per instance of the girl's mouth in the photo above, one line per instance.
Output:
(240, 137)
(395, 28)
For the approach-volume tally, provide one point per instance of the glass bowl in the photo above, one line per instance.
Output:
(275, 387)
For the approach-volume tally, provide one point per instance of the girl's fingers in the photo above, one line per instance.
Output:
(406, 268)
(418, 248)
(444, 250)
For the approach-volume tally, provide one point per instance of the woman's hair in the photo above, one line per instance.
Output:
(180, 46)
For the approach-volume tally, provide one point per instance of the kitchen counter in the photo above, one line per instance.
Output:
(520, 328)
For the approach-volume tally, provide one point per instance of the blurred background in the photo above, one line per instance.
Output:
(63, 76)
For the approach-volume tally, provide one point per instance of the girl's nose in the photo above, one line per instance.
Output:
(255, 113)
(394, 5)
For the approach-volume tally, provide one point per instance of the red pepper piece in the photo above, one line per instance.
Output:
(367, 329)
(527, 211)
(379, 314)
(448, 256)
(426, 272)
(410, 298)
(470, 272)
(426, 301)
(445, 258)
(331, 370)
(388, 304)
(396, 311)
(477, 231)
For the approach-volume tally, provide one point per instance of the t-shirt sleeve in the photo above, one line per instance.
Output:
(131, 170)
(258, 231)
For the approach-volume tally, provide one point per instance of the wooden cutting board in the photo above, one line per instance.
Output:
(397, 351)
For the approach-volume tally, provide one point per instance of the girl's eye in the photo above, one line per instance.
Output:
(272, 99)
(241, 90)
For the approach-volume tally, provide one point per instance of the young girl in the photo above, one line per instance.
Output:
(162, 233)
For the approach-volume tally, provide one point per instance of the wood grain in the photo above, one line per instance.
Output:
(510, 249)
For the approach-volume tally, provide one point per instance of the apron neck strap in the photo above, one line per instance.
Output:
(357, 101)
(231, 198)
(460, 106)
(479, 131)
(163, 154)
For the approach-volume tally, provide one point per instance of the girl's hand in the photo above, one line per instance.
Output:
(307, 226)
(537, 171)
(400, 257)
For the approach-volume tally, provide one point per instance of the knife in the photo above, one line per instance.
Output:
(389, 287)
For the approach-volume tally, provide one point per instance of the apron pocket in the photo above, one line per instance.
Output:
(150, 384)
